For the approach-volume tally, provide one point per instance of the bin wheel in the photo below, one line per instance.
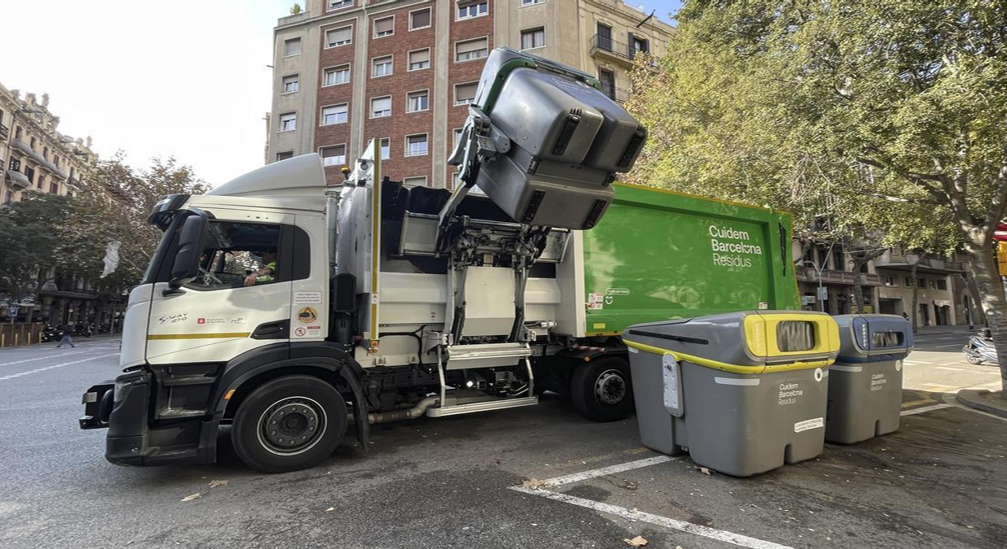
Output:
(289, 423)
(601, 390)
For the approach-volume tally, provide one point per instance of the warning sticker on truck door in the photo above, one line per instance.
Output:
(595, 302)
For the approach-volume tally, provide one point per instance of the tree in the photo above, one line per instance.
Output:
(114, 208)
(896, 107)
(30, 244)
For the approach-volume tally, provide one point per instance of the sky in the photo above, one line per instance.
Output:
(188, 79)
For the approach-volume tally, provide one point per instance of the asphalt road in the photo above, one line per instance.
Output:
(464, 481)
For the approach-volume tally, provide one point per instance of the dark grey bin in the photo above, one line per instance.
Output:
(865, 389)
(737, 406)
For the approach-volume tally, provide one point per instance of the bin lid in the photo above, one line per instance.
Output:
(864, 335)
(746, 342)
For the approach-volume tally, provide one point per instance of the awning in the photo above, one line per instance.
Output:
(18, 178)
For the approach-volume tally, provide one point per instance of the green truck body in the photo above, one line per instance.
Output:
(659, 255)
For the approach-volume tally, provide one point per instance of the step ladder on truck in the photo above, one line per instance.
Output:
(288, 308)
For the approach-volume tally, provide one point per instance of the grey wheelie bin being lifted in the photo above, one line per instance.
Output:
(865, 389)
(743, 392)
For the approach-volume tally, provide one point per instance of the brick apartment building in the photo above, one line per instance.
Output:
(404, 71)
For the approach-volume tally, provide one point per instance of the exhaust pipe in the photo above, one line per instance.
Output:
(408, 413)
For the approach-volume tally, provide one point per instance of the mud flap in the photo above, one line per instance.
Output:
(359, 405)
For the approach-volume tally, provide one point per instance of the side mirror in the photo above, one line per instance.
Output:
(191, 242)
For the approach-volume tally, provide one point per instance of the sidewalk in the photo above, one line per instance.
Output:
(940, 330)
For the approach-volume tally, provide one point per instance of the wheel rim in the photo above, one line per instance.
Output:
(610, 387)
(292, 425)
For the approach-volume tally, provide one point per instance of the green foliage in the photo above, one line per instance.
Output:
(880, 115)
(45, 232)
(296, 9)
(30, 241)
(115, 207)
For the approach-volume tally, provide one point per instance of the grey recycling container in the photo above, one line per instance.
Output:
(865, 389)
(742, 393)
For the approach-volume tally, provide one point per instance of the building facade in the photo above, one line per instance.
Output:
(404, 71)
(942, 296)
(831, 265)
(35, 155)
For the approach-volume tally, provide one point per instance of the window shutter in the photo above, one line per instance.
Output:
(472, 45)
(382, 26)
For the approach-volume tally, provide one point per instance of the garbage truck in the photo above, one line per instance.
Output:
(293, 310)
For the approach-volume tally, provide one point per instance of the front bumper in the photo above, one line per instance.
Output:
(124, 408)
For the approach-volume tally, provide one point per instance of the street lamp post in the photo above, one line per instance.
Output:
(818, 273)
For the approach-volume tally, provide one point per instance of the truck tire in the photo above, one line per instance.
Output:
(601, 390)
(289, 423)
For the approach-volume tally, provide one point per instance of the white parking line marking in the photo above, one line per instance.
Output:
(925, 409)
(54, 366)
(681, 526)
(33, 359)
(604, 471)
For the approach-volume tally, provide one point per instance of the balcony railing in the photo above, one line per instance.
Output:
(4, 131)
(829, 276)
(905, 261)
(603, 45)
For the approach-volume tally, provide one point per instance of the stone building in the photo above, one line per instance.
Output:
(36, 157)
(404, 71)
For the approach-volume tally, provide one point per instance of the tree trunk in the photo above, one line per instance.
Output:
(978, 316)
(987, 278)
(858, 288)
(916, 296)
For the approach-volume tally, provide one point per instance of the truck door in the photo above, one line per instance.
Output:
(240, 299)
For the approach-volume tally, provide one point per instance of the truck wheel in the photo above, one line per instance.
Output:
(601, 390)
(289, 423)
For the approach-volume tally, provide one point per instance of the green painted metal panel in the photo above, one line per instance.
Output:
(658, 255)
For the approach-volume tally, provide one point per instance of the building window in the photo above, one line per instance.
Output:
(288, 122)
(15, 164)
(417, 101)
(416, 145)
(531, 2)
(384, 27)
(909, 282)
(381, 107)
(416, 181)
(284, 155)
(419, 59)
(465, 93)
(533, 38)
(386, 148)
(17, 132)
(54, 187)
(922, 283)
(607, 80)
(340, 4)
(339, 37)
(45, 153)
(471, 49)
(336, 114)
(334, 156)
(941, 284)
(381, 66)
(291, 83)
(456, 138)
(469, 10)
(890, 281)
(419, 19)
(638, 44)
(604, 37)
(337, 75)
(30, 174)
(292, 47)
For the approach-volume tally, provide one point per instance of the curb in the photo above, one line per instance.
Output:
(975, 399)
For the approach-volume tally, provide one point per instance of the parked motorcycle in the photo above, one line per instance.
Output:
(50, 333)
(83, 330)
(980, 348)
